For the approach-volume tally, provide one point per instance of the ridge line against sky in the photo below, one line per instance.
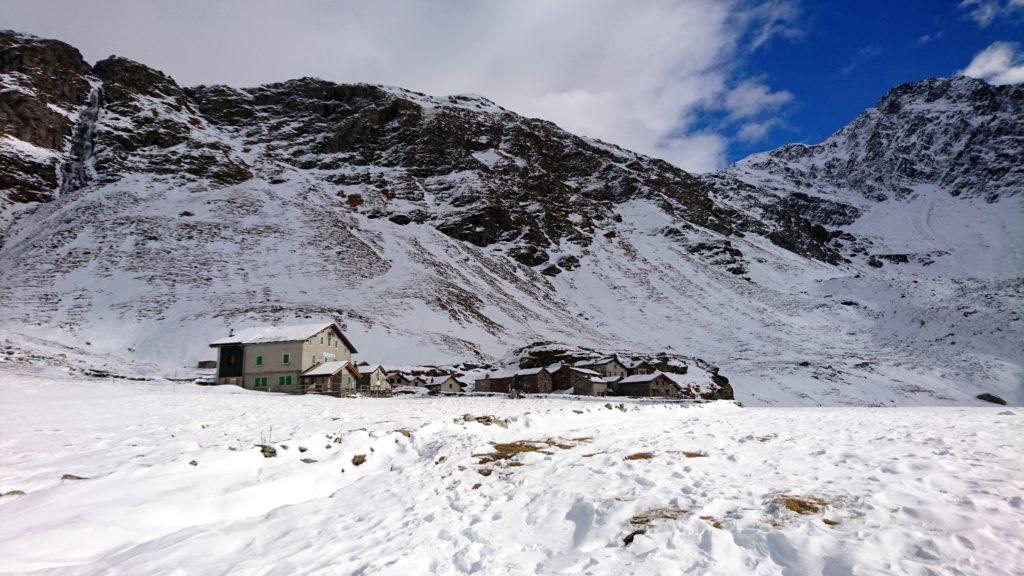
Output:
(697, 82)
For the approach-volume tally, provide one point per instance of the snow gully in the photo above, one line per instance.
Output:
(76, 170)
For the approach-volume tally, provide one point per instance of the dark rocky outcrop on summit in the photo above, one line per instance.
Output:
(42, 84)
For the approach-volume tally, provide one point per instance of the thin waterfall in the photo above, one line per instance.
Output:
(77, 170)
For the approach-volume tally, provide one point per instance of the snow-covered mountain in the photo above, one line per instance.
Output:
(144, 218)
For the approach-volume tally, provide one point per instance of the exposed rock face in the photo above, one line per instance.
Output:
(42, 84)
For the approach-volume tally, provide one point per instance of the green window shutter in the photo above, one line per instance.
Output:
(314, 358)
(321, 339)
(259, 360)
(286, 358)
(288, 380)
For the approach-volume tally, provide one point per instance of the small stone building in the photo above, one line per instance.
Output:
(590, 386)
(528, 381)
(648, 385)
(608, 366)
(640, 367)
(373, 380)
(339, 378)
(566, 377)
(446, 384)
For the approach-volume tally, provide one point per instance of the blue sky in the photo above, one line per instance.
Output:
(851, 53)
(696, 82)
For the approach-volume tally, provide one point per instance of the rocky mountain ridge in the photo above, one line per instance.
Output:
(451, 227)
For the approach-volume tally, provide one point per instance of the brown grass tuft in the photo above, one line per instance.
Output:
(689, 454)
(714, 521)
(508, 451)
(640, 456)
(648, 517)
(803, 505)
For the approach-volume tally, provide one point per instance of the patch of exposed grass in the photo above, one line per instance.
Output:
(640, 456)
(403, 431)
(767, 438)
(714, 521)
(506, 452)
(830, 522)
(648, 517)
(803, 505)
(689, 454)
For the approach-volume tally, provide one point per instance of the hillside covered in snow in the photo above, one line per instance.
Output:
(142, 219)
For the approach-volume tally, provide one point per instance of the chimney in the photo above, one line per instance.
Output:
(231, 332)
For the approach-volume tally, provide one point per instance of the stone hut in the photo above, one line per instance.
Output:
(607, 366)
(649, 385)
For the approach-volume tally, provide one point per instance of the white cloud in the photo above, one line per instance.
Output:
(1000, 63)
(750, 98)
(984, 12)
(752, 132)
(639, 74)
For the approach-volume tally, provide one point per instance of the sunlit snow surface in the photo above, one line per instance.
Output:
(911, 490)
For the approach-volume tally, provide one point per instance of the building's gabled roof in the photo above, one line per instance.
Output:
(530, 371)
(512, 372)
(611, 379)
(586, 371)
(438, 380)
(268, 334)
(597, 362)
(331, 368)
(636, 378)
(369, 368)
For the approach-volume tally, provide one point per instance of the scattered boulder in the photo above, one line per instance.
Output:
(73, 477)
(13, 493)
(629, 537)
(991, 398)
(309, 460)
(358, 459)
(267, 450)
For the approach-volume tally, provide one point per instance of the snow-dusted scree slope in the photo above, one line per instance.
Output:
(139, 478)
(881, 266)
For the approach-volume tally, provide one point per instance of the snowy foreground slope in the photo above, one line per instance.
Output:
(172, 480)
(883, 266)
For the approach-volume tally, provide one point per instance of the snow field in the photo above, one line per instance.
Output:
(904, 490)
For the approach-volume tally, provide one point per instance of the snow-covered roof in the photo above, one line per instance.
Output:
(643, 378)
(326, 368)
(436, 380)
(510, 372)
(368, 368)
(610, 379)
(597, 362)
(586, 371)
(267, 334)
